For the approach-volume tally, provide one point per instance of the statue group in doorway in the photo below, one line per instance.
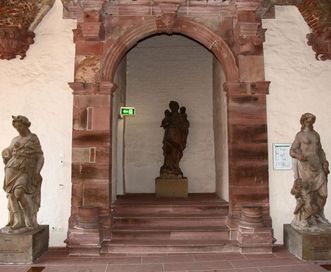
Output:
(23, 161)
(310, 172)
(175, 126)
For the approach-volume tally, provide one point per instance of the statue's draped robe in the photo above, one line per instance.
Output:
(20, 167)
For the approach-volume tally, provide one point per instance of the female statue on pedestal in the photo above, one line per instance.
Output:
(23, 161)
(175, 126)
(311, 169)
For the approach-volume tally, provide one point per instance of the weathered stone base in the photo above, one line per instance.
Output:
(171, 187)
(255, 240)
(308, 245)
(23, 248)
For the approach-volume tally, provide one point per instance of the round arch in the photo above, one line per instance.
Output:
(196, 31)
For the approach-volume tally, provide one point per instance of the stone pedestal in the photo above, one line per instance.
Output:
(308, 245)
(171, 187)
(23, 248)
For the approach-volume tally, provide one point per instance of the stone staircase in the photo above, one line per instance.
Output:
(143, 223)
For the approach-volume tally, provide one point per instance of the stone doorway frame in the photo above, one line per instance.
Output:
(105, 32)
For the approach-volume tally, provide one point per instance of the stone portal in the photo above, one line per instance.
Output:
(106, 31)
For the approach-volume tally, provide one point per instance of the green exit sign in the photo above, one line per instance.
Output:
(127, 111)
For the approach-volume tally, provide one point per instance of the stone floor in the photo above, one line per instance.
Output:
(58, 260)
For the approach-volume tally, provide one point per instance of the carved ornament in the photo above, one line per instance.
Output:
(18, 19)
(317, 14)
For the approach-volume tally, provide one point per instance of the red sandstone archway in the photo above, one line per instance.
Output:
(124, 25)
(198, 32)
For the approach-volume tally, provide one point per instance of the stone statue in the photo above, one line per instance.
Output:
(310, 172)
(23, 161)
(175, 126)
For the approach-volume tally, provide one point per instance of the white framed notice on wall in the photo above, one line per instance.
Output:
(281, 156)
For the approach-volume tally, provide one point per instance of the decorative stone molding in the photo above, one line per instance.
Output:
(18, 19)
(317, 14)
(247, 88)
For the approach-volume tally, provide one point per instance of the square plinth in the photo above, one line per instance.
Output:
(306, 245)
(171, 187)
(23, 248)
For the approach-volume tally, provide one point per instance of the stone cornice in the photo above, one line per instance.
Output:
(18, 20)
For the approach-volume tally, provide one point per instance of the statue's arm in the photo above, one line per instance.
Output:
(295, 151)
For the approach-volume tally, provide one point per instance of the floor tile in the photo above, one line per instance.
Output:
(116, 260)
(264, 262)
(64, 260)
(218, 257)
(168, 259)
(259, 256)
(135, 268)
(194, 266)
(297, 268)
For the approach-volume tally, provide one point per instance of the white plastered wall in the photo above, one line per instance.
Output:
(299, 84)
(37, 87)
(161, 69)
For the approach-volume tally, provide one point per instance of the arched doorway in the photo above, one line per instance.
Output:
(107, 40)
(159, 69)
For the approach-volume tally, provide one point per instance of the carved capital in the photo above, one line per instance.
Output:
(103, 87)
(18, 19)
(249, 37)
(247, 88)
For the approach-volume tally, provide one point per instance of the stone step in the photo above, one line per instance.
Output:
(201, 208)
(172, 220)
(176, 233)
(155, 247)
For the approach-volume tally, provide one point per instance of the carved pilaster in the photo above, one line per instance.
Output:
(248, 149)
